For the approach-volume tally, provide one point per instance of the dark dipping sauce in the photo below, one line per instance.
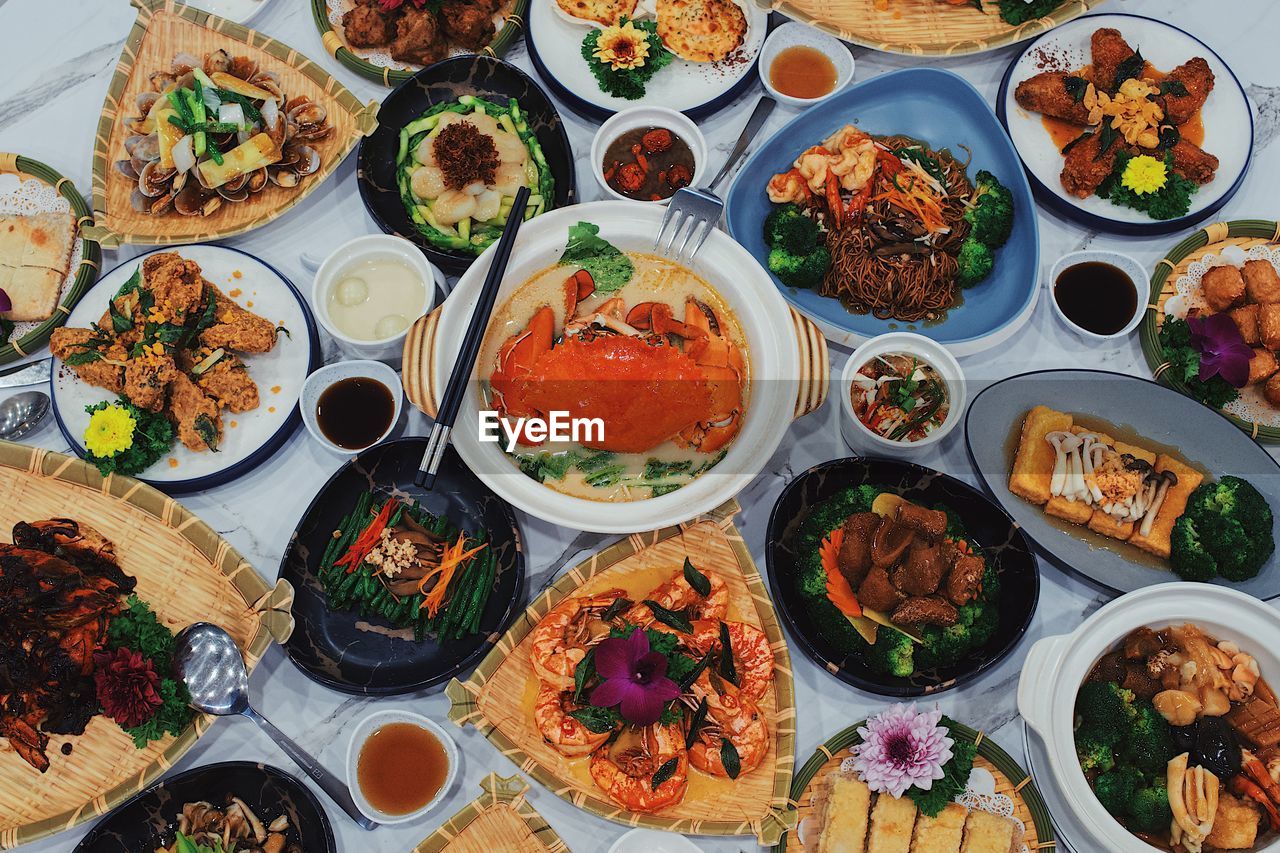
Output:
(354, 412)
(1098, 297)
(648, 164)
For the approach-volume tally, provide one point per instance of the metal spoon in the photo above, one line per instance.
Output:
(208, 660)
(22, 413)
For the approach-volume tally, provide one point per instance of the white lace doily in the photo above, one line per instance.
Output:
(30, 197)
(1250, 405)
(381, 56)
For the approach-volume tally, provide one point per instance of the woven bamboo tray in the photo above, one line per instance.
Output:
(1011, 780)
(91, 255)
(162, 29)
(514, 14)
(499, 820)
(922, 27)
(185, 571)
(1245, 233)
(494, 698)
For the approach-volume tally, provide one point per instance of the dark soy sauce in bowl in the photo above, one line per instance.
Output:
(354, 412)
(1098, 297)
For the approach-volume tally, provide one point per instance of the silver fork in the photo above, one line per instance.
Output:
(700, 209)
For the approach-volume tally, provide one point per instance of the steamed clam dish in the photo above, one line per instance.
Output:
(204, 828)
(215, 131)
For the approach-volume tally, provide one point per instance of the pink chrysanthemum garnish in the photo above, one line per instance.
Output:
(902, 747)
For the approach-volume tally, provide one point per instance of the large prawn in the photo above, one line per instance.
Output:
(730, 717)
(752, 654)
(564, 635)
(677, 594)
(566, 734)
(628, 776)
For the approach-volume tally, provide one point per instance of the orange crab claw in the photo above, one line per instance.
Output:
(577, 287)
(516, 359)
(641, 316)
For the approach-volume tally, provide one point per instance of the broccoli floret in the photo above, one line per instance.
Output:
(1149, 810)
(990, 216)
(1148, 745)
(804, 271)
(1226, 530)
(1106, 711)
(1095, 757)
(975, 260)
(977, 621)
(1233, 498)
(1240, 554)
(787, 228)
(1187, 554)
(1115, 788)
(893, 653)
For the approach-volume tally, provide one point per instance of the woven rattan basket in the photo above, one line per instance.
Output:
(923, 27)
(164, 28)
(90, 262)
(755, 805)
(185, 571)
(500, 819)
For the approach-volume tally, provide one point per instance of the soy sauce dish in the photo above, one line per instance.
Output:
(400, 765)
(351, 405)
(1095, 294)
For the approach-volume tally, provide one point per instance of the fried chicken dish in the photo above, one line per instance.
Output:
(60, 585)
(414, 32)
(169, 343)
(1121, 104)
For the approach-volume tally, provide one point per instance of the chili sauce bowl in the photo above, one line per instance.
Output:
(636, 117)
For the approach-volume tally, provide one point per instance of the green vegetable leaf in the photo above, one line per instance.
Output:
(598, 720)
(686, 681)
(1107, 136)
(120, 322)
(670, 618)
(1076, 87)
(701, 583)
(727, 670)
(1130, 66)
(696, 722)
(153, 434)
(207, 431)
(954, 779)
(87, 356)
(729, 758)
(609, 268)
(656, 469)
(627, 83)
(1017, 12)
(132, 284)
(665, 772)
(615, 607)
(659, 489)
(583, 672)
(1173, 87)
(1169, 136)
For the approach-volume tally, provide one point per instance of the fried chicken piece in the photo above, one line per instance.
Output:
(1197, 78)
(1262, 366)
(228, 382)
(175, 283)
(1222, 287)
(367, 26)
(1271, 391)
(1108, 49)
(921, 572)
(1084, 168)
(1192, 161)
(931, 610)
(1046, 93)
(470, 25)
(418, 37)
(965, 580)
(195, 414)
(1261, 282)
(237, 328)
(147, 378)
(1269, 325)
(1246, 320)
(854, 557)
(66, 342)
(878, 592)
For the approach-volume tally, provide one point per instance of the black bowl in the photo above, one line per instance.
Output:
(1000, 538)
(366, 655)
(148, 819)
(482, 77)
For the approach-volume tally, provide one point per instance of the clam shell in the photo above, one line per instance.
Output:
(154, 180)
(308, 160)
(285, 177)
(218, 60)
(257, 180)
(125, 167)
(182, 63)
(242, 67)
(146, 100)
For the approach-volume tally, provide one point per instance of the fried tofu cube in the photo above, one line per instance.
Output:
(1175, 503)
(1076, 512)
(844, 811)
(892, 820)
(988, 833)
(1261, 366)
(1108, 525)
(941, 834)
(1246, 320)
(1033, 462)
(1235, 825)
(1222, 286)
(1269, 325)
(1261, 281)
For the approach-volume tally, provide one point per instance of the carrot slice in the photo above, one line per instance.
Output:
(839, 592)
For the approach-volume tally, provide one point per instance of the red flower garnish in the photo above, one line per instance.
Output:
(1223, 351)
(6, 304)
(128, 686)
(635, 679)
(392, 5)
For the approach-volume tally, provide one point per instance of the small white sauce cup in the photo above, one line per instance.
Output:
(621, 122)
(793, 34)
(856, 434)
(365, 729)
(1126, 264)
(322, 379)
(346, 258)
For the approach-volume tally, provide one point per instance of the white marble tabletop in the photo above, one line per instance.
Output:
(57, 60)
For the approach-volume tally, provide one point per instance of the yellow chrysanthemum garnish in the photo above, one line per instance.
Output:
(1144, 174)
(110, 431)
(622, 47)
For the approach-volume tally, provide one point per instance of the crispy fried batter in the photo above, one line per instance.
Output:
(367, 26)
(1196, 75)
(1084, 168)
(1261, 282)
(195, 414)
(1108, 49)
(470, 25)
(228, 382)
(1047, 93)
(175, 282)
(1192, 161)
(237, 328)
(1222, 287)
(66, 342)
(146, 380)
(418, 37)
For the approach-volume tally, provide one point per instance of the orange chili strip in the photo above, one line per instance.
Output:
(367, 539)
(452, 557)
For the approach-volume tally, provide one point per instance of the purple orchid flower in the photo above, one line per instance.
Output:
(1223, 351)
(6, 304)
(635, 678)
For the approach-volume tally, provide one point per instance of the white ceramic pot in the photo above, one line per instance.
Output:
(621, 122)
(788, 355)
(1056, 666)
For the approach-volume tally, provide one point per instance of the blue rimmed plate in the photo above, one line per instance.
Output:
(1227, 119)
(943, 110)
(249, 438)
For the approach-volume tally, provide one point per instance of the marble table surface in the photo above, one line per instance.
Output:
(58, 58)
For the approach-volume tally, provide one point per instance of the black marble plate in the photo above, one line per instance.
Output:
(990, 527)
(147, 821)
(348, 652)
(483, 77)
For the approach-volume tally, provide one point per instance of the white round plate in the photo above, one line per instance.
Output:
(695, 88)
(257, 433)
(1228, 122)
(240, 11)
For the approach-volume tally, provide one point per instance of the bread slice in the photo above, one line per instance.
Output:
(843, 810)
(942, 833)
(13, 239)
(48, 241)
(1033, 462)
(1174, 505)
(988, 833)
(34, 293)
(892, 820)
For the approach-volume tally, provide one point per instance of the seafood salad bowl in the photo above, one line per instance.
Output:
(1056, 667)
(714, 327)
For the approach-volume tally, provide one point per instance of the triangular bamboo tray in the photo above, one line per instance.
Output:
(923, 27)
(492, 698)
(185, 571)
(162, 29)
(499, 820)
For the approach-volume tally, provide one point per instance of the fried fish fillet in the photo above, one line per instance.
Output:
(228, 382)
(175, 282)
(147, 379)
(195, 414)
(1196, 77)
(1047, 93)
(1108, 49)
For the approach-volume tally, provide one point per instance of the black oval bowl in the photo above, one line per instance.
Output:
(147, 820)
(483, 77)
(366, 655)
(1000, 538)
